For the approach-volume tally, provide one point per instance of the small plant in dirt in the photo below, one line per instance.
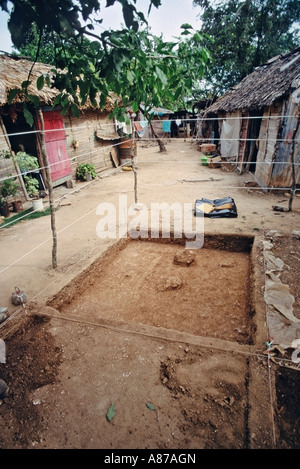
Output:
(25, 161)
(85, 169)
(32, 187)
(9, 188)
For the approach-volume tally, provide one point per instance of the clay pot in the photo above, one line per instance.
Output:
(4, 209)
(17, 206)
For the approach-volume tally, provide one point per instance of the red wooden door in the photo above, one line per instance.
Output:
(55, 140)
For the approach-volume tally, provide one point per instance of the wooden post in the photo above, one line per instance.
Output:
(161, 145)
(12, 154)
(293, 188)
(278, 208)
(132, 157)
(49, 187)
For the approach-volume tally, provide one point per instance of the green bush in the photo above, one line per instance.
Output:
(9, 188)
(32, 186)
(26, 162)
(84, 169)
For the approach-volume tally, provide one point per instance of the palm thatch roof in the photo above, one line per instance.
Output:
(269, 83)
(14, 70)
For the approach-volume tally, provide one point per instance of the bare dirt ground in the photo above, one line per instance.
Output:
(178, 350)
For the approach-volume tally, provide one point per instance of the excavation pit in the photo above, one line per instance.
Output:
(206, 293)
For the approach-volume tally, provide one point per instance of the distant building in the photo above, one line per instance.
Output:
(259, 122)
(69, 140)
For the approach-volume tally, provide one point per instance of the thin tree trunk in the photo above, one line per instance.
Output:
(162, 147)
(132, 157)
(49, 187)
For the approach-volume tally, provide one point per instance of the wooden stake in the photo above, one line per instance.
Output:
(132, 154)
(49, 187)
(12, 154)
(277, 208)
(293, 188)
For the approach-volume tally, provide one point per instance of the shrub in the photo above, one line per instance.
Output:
(84, 169)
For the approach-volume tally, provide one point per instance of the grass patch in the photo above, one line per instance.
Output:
(28, 214)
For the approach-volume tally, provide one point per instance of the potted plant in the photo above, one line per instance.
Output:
(26, 162)
(9, 188)
(32, 188)
(85, 172)
(4, 207)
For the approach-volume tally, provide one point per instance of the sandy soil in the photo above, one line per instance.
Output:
(178, 350)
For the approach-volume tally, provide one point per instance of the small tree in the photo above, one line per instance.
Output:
(246, 34)
(135, 65)
(130, 63)
(32, 186)
(9, 188)
(26, 162)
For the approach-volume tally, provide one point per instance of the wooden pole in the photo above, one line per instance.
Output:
(49, 187)
(132, 157)
(17, 169)
(293, 188)
(278, 208)
(161, 145)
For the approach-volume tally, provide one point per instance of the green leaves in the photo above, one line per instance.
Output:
(150, 406)
(40, 82)
(245, 35)
(111, 413)
(186, 27)
(34, 99)
(132, 63)
(128, 14)
(28, 116)
(109, 3)
(156, 3)
(12, 94)
(161, 75)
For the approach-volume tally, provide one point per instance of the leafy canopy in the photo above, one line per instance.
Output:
(131, 62)
(246, 34)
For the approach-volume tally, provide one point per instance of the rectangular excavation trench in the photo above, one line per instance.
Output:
(137, 281)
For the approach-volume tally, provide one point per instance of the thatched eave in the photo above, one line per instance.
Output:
(13, 71)
(266, 85)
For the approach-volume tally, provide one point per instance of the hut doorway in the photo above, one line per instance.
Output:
(21, 137)
(248, 144)
(252, 144)
(55, 141)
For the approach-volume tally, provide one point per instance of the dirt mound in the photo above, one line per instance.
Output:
(32, 361)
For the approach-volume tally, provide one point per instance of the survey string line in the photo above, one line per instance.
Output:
(162, 161)
(62, 230)
(59, 163)
(46, 205)
(199, 119)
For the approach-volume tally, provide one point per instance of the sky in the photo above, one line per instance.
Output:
(166, 19)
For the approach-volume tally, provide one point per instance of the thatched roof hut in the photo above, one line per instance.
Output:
(94, 132)
(273, 81)
(259, 122)
(15, 70)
